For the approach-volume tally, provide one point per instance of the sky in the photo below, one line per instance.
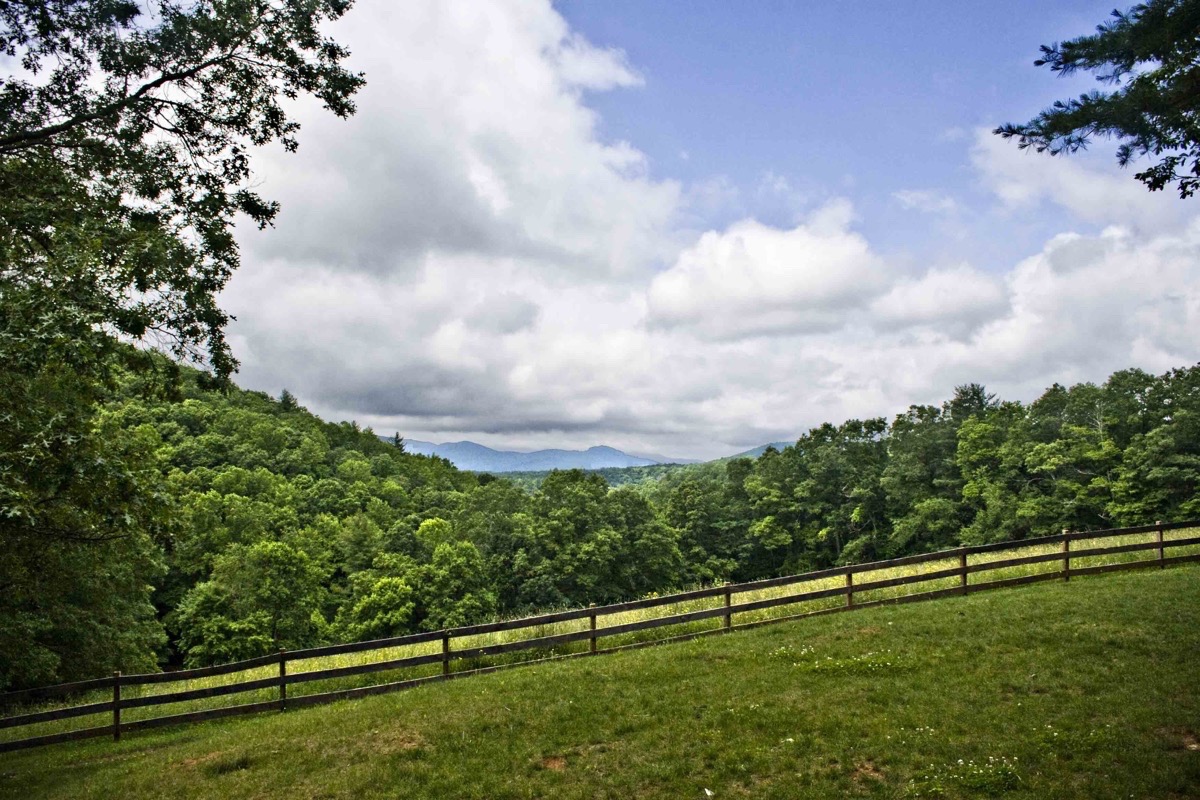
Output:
(693, 228)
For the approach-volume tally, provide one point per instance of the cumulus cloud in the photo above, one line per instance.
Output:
(754, 280)
(471, 137)
(1092, 191)
(955, 301)
(1085, 304)
(469, 258)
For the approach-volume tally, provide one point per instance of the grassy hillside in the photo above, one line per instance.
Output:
(1082, 690)
(297, 668)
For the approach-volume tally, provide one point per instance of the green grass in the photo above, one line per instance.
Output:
(1083, 690)
(308, 665)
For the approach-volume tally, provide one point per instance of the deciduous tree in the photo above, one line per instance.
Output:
(126, 130)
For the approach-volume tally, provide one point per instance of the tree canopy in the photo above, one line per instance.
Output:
(1151, 53)
(126, 129)
(125, 141)
(239, 524)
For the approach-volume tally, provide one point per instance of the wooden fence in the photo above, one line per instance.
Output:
(592, 634)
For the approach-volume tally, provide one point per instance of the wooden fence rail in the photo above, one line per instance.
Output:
(853, 590)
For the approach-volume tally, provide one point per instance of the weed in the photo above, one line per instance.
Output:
(791, 654)
(994, 776)
(1066, 743)
(865, 664)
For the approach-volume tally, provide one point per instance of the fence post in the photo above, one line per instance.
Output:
(849, 590)
(282, 679)
(1066, 555)
(592, 622)
(962, 568)
(728, 604)
(445, 653)
(117, 706)
(1162, 559)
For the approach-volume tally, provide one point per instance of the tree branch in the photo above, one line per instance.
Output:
(33, 138)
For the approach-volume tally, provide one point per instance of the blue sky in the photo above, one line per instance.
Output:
(839, 98)
(691, 228)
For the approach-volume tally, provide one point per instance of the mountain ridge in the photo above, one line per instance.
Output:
(474, 457)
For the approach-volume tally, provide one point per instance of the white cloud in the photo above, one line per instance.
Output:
(468, 258)
(580, 64)
(584, 368)
(1087, 304)
(1024, 178)
(955, 301)
(752, 279)
(471, 136)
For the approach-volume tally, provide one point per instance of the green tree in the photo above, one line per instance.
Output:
(287, 401)
(1152, 53)
(649, 559)
(575, 546)
(123, 167)
(124, 161)
(79, 549)
(694, 508)
(434, 532)
(990, 456)
(259, 598)
(820, 500)
(359, 542)
(453, 587)
(495, 517)
(381, 607)
(1130, 405)
(1159, 476)
(921, 480)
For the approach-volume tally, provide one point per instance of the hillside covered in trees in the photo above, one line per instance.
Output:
(260, 526)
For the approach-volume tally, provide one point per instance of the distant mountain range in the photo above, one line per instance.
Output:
(477, 458)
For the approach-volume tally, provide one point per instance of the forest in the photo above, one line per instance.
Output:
(260, 526)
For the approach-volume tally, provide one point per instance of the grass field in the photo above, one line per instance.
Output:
(316, 664)
(1083, 690)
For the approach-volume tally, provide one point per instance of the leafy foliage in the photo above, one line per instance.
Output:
(1153, 54)
(81, 505)
(125, 142)
(275, 529)
(125, 133)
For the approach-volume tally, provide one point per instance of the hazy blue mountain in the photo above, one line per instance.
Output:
(477, 458)
(755, 452)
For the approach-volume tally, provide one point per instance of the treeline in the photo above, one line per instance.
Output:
(970, 471)
(260, 526)
(280, 530)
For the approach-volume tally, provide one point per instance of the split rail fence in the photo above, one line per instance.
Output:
(280, 677)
